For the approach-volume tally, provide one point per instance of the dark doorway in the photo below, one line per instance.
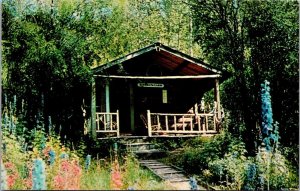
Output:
(119, 100)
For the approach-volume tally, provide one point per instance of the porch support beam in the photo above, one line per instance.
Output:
(107, 95)
(161, 77)
(131, 102)
(217, 98)
(93, 110)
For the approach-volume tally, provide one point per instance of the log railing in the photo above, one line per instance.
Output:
(108, 122)
(165, 124)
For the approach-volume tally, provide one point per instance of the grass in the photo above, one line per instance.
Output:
(133, 176)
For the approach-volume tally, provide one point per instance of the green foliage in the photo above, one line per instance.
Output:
(254, 41)
(168, 144)
(81, 149)
(39, 140)
(222, 161)
(274, 169)
(13, 149)
(49, 48)
(231, 168)
(194, 158)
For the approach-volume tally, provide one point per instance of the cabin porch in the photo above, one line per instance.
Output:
(160, 124)
(154, 92)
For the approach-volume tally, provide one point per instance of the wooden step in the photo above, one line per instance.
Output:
(178, 180)
(163, 171)
(174, 176)
(160, 167)
(148, 161)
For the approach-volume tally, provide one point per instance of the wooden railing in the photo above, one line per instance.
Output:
(108, 122)
(165, 124)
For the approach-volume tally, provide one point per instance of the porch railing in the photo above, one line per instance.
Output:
(108, 122)
(165, 124)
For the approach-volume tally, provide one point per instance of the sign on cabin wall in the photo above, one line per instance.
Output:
(164, 96)
(150, 85)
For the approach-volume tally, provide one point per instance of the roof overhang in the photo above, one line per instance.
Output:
(180, 65)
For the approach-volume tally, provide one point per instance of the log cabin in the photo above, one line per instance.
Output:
(155, 92)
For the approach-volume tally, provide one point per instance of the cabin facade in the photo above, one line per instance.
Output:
(156, 91)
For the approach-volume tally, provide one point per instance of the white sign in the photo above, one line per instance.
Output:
(150, 85)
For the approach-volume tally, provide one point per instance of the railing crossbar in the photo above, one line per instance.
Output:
(170, 123)
(107, 122)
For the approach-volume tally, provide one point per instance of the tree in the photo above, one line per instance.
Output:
(253, 41)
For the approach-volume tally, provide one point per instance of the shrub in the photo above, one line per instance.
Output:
(198, 151)
(231, 168)
(273, 168)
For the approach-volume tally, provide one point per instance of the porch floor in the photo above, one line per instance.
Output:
(130, 136)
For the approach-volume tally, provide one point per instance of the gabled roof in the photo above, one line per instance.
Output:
(172, 60)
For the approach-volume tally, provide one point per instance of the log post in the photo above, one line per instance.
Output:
(149, 123)
(217, 99)
(107, 104)
(93, 109)
(118, 124)
(131, 97)
(107, 96)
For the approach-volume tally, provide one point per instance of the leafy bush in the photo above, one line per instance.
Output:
(197, 152)
(274, 169)
(223, 162)
(231, 168)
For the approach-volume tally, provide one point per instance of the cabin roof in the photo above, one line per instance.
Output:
(176, 62)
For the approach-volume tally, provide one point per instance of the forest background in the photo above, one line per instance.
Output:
(50, 46)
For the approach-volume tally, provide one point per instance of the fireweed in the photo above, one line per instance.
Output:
(116, 177)
(68, 177)
(12, 174)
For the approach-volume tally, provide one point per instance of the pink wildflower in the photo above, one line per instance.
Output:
(9, 165)
(65, 165)
(59, 182)
(46, 151)
(68, 177)
(12, 173)
(116, 177)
